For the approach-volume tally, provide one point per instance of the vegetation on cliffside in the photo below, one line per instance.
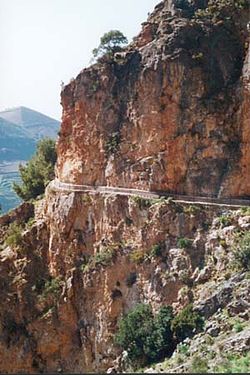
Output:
(149, 338)
(38, 172)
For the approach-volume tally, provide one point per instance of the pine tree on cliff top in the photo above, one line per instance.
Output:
(110, 43)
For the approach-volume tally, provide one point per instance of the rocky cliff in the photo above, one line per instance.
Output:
(169, 113)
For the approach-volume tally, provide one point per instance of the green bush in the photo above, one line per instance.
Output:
(112, 144)
(222, 242)
(242, 252)
(245, 211)
(184, 243)
(238, 327)
(137, 256)
(225, 220)
(184, 277)
(103, 258)
(142, 202)
(186, 323)
(156, 250)
(52, 288)
(199, 365)
(149, 338)
(38, 172)
(235, 364)
(146, 337)
(14, 235)
(191, 209)
(183, 349)
(163, 338)
(30, 222)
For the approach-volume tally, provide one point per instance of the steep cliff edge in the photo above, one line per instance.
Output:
(170, 113)
(73, 273)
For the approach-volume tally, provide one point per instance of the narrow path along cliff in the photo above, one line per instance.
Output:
(226, 202)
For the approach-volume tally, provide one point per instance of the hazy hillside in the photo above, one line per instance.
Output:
(20, 129)
(15, 143)
(35, 124)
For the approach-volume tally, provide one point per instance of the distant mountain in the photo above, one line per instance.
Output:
(20, 130)
(35, 124)
(15, 144)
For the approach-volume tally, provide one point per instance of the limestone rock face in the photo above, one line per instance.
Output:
(169, 113)
(90, 258)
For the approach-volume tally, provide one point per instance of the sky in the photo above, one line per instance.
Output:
(46, 42)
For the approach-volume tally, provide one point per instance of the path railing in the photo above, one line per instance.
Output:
(230, 202)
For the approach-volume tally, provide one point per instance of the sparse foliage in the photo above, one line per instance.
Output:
(51, 289)
(234, 364)
(242, 252)
(220, 9)
(184, 243)
(137, 256)
(103, 258)
(157, 250)
(112, 144)
(143, 203)
(14, 235)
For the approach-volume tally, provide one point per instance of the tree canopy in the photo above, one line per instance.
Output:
(110, 42)
(38, 172)
(149, 337)
(146, 337)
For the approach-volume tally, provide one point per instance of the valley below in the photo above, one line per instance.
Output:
(8, 175)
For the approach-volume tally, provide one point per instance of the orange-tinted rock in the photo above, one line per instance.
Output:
(172, 115)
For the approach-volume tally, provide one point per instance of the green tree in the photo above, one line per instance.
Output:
(134, 329)
(110, 42)
(159, 343)
(38, 172)
(186, 323)
(145, 337)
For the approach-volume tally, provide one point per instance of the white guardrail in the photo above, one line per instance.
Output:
(231, 202)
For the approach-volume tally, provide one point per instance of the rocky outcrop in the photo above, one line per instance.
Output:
(169, 113)
(226, 334)
(21, 214)
(90, 259)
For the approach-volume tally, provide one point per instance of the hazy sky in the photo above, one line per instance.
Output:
(44, 42)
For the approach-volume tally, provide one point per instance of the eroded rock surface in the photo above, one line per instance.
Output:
(169, 113)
